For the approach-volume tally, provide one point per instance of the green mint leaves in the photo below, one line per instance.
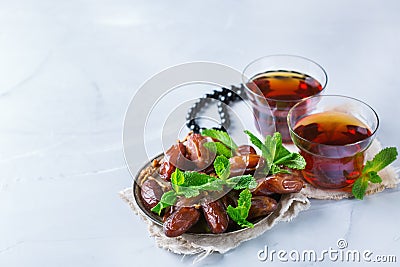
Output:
(242, 182)
(371, 169)
(240, 213)
(222, 167)
(224, 147)
(381, 160)
(187, 184)
(221, 136)
(177, 179)
(168, 199)
(190, 184)
(196, 178)
(219, 149)
(276, 155)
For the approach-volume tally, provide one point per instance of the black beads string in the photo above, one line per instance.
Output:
(223, 97)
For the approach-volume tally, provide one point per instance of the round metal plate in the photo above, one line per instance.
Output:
(158, 219)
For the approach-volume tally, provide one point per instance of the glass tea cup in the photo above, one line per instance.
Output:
(332, 133)
(275, 83)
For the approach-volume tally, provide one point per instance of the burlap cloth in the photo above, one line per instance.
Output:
(289, 206)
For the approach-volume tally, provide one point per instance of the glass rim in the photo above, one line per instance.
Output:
(283, 55)
(373, 133)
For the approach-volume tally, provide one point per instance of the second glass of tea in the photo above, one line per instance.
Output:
(275, 83)
(332, 133)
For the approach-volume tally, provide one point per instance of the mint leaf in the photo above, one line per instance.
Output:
(234, 214)
(221, 136)
(285, 158)
(159, 207)
(195, 178)
(195, 190)
(215, 185)
(189, 192)
(293, 161)
(381, 160)
(359, 187)
(276, 169)
(167, 199)
(254, 139)
(240, 213)
(242, 182)
(371, 169)
(282, 153)
(264, 151)
(374, 178)
(218, 148)
(196, 182)
(190, 183)
(276, 155)
(222, 167)
(177, 179)
(269, 148)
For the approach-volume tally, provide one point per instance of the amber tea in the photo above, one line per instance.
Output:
(282, 89)
(286, 85)
(328, 134)
(276, 83)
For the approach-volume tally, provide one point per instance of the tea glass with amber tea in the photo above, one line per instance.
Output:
(332, 133)
(276, 83)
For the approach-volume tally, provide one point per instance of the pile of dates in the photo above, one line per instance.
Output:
(190, 154)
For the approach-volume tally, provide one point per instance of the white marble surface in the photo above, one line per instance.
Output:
(69, 70)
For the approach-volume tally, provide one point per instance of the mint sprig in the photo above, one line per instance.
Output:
(177, 179)
(167, 199)
(240, 213)
(276, 155)
(222, 167)
(370, 171)
(221, 136)
(193, 178)
(242, 182)
(385, 157)
(219, 149)
(190, 184)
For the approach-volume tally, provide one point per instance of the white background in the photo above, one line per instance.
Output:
(69, 69)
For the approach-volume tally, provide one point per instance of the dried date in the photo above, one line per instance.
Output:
(216, 216)
(180, 221)
(151, 192)
(281, 183)
(174, 157)
(197, 153)
(246, 164)
(261, 206)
